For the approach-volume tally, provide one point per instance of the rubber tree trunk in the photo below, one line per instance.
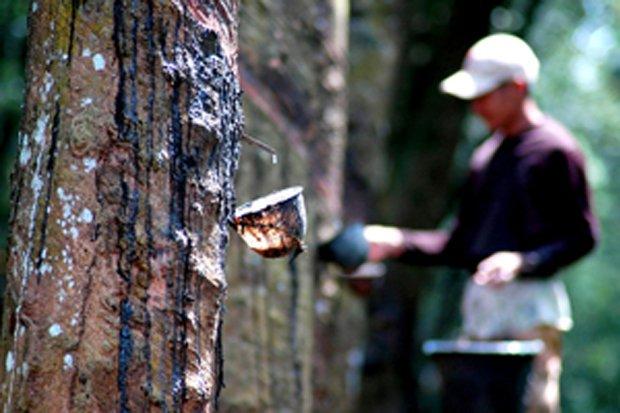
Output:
(121, 194)
(292, 328)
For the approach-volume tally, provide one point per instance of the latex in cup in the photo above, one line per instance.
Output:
(274, 225)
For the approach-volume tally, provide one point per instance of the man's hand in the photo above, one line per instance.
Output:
(499, 268)
(383, 242)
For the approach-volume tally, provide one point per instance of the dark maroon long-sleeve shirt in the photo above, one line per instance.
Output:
(525, 193)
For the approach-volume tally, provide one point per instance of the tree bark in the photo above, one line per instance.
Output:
(127, 151)
(287, 348)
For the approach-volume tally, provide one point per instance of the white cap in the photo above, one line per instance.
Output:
(490, 62)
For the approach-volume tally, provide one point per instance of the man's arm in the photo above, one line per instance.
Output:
(418, 247)
(560, 189)
(565, 196)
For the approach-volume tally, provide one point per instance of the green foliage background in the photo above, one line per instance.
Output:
(12, 53)
(578, 43)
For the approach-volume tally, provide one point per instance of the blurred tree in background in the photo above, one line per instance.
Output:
(578, 43)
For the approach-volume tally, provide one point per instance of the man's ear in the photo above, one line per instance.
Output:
(521, 85)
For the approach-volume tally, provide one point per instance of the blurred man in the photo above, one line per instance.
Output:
(525, 213)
